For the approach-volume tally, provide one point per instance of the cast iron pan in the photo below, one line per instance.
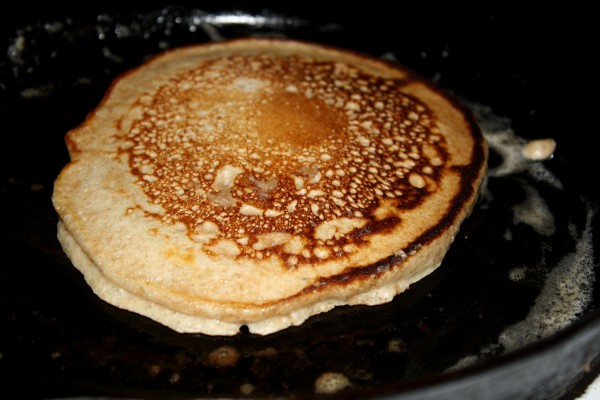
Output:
(510, 314)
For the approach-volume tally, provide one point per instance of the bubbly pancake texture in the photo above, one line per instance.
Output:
(258, 182)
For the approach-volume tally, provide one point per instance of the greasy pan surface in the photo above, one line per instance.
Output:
(510, 314)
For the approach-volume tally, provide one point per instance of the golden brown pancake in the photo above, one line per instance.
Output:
(259, 182)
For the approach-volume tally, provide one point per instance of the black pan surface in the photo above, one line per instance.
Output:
(511, 313)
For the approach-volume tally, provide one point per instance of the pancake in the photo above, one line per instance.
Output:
(258, 182)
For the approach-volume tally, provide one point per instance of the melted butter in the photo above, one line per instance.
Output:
(566, 293)
(568, 286)
(510, 147)
(534, 211)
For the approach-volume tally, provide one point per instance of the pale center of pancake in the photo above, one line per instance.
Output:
(261, 156)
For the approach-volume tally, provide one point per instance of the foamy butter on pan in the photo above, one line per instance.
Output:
(568, 286)
(566, 293)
